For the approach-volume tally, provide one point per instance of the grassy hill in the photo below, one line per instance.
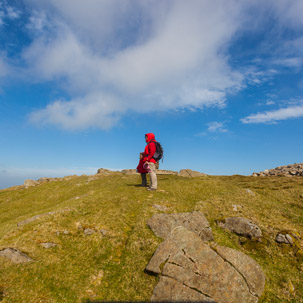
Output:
(109, 263)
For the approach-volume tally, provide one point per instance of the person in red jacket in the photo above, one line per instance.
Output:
(142, 170)
(149, 161)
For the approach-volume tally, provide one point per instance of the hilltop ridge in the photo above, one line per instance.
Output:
(88, 238)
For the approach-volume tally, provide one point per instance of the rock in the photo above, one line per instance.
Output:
(281, 239)
(241, 226)
(48, 245)
(103, 232)
(34, 218)
(285, 238)
(250, 192)
(30, 183)
(103, 171)
(68, 178)
(162, 224)
(43, 180)
(190, 173)
(286, 171)
(160, 207)
(79, 226)
(236, 207)
(15, 255)
(289, 239)
(169, 289)
(190, 270)
(64, 232)
(89, 231)
(166, 172)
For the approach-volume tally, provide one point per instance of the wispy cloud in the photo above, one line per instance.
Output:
(216, 127)
(12, 13)
(8, 12)
(273, 116)
(269, 102)
(213, 128)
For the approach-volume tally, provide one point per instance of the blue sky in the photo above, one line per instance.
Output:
(220, 83)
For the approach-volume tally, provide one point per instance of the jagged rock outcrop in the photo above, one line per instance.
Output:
(241, 226)
(190, 173)
(191, 270)
(15, 255)
(286, 170)
(163, 224)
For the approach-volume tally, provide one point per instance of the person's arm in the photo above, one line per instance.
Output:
(151, 150)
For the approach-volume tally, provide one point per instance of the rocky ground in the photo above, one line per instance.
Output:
(286, 171)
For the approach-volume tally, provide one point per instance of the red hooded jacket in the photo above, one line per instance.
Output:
(149, 151)
(150, 148)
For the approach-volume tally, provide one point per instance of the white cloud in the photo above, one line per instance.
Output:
(97, 110)
(289, 12)
(5, 67)
(175, 61)
(37, 22)
(216, 127)
(1, 17)
(273, 116)
(294, 62)
(112, 57)
(12, 13)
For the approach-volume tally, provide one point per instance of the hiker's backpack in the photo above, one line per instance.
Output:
(158, 155)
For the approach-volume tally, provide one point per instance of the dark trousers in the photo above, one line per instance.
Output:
(144, 180)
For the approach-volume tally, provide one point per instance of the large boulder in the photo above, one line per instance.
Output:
(163, 224)
(241, 226)
(191, 270)
(190, 173)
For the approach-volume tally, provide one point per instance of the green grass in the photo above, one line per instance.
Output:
(111, 267)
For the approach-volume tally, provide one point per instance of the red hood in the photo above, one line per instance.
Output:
(150, 137)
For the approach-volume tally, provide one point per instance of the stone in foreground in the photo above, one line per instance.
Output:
(190, 270)
(15, 255)
(242, 227)
(162, 224)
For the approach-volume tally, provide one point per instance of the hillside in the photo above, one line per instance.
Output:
(88, 239)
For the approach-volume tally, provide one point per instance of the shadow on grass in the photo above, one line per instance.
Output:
(89, 301)
(135, 185)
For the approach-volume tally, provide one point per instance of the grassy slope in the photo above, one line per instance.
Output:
(111, 267)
